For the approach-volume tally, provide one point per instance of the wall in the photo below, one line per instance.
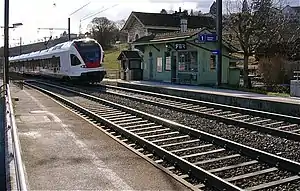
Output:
(136, 28)
(159, 76)
(205, 75)
(14, 51)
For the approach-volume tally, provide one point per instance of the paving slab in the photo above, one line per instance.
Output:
(61, 151)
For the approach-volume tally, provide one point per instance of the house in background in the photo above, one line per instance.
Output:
(293, 13)
(141, 24)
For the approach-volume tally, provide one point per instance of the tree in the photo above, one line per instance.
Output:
(192, 12)
(104, 31)
(163, 11)
(120, 24)
(259, 22)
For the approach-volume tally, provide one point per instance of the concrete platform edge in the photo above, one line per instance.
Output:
(251, 103)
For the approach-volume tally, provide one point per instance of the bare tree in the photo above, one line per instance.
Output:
(252, 24)
(163, 11)
(192, 12)
(120, 24)
(104, 31)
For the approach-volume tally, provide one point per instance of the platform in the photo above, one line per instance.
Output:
(287, 106)
(61, 151)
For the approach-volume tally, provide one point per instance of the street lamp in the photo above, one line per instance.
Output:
(15, 25)
(219, 43)
(6, 41)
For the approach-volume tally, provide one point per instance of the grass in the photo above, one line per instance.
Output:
(278, 94)
(111, 55)
(258, 91)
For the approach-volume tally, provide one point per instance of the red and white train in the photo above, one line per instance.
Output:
(73, 60)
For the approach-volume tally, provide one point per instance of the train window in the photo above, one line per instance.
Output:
(74, 60)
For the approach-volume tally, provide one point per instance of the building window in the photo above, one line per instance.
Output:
(213, 62)
(135, 64)
(188, 61)
(159, 64)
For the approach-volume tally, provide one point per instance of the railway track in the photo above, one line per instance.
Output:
(271, 123)
(197, 158)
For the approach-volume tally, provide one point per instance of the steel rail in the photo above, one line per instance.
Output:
(257, 113)
(11, 124)
(186, 166)
(269, 130)
(268, 158)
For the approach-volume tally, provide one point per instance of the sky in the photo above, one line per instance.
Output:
(36, 14)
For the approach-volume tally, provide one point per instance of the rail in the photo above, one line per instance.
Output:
(15, 177)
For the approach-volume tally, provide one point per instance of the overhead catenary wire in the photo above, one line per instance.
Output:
(80, 8)
(89, 16)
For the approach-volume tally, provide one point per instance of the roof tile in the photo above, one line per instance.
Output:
(173, 20)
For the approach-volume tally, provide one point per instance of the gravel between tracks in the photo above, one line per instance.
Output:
(276, 145)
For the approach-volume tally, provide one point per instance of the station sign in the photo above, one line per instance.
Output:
(215, 52)
(180, 46)
(207, 38)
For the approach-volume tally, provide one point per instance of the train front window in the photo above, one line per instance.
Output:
(89, 51)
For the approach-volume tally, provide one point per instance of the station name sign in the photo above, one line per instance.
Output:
(180, 46)
(207, 37)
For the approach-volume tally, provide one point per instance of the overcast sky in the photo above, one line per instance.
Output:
(36, 14)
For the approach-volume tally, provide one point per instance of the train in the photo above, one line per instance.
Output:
(77, 60)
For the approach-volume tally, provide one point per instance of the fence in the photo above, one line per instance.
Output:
(15, 177)
(296, 75)
(113, 74)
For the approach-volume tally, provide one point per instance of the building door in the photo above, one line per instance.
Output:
(173, 67)
(150, 66)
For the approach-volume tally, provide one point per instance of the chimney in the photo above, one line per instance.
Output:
(179, 9)
(183, 21)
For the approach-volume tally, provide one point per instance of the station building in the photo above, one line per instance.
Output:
(185, 54)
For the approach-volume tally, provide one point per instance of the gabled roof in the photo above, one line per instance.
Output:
(170, 20)
(130, 54)
(165, 37)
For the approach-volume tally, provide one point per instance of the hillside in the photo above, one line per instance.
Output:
(111, 55)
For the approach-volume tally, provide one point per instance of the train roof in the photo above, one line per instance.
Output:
(62, 47)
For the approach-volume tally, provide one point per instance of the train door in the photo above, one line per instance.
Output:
(64, 63)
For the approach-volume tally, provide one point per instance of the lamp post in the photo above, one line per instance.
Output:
(69, 19)
(6, 41)
(219, 34)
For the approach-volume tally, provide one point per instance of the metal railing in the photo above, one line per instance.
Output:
(15, 176)
(113, 74)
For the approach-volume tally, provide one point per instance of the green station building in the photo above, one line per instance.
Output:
(177, 48)
(188, 57)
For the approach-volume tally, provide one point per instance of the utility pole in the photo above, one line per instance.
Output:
(219, 35)
(69, 28)
(20, 45)
(6, 42)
